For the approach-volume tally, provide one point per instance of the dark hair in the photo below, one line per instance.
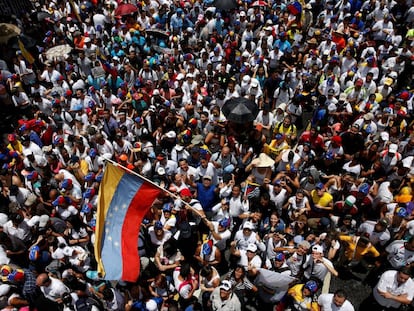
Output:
(16, 218)
(265, 196)
(241, 268)
(405, 270)
(108, 293)
(160, 278)
(395, 184)
(340, 293)
(206, 271)
(185, 269)
(170, 247)
(182, 160)
(76, 222)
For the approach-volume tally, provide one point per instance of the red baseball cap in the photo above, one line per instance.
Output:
(185, 192)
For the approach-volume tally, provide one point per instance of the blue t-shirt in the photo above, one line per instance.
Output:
(206, 196)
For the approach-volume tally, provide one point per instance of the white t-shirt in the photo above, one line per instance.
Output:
(154, 240)
(388, 283)
(243, 261)
(22, 231)
(294, 205)
(51, 76)
(318, 270)
(325, 301)
(398, 255)
(384, 194)
(55, 290)
(65, 213)
(367, 227)
(410, 227)
(183, 289)
(225, 235)
(278, 198)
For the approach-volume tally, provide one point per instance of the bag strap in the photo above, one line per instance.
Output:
(184, 283)
(355, 249)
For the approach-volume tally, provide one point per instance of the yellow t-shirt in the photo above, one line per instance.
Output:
(289, 131)
(324, 200)
(360, 251)
(296, 293)
(17, 147)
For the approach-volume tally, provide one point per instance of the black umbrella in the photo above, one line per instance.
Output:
(157, 33)
(41, 16)
(240, 110)
(27, 41)
(225, 5)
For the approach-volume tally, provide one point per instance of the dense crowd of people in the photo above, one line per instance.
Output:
(256, 213)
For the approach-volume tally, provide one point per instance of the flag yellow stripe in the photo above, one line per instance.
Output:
(109, 184)
(25, 52)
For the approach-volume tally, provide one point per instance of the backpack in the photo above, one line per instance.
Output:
(86, 304)
(279, 126)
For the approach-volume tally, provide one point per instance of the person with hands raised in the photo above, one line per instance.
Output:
(316, 266)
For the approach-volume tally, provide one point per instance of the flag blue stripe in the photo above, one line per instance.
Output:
(111, 239)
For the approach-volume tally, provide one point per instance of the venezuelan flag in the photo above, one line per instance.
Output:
(123, 201)
(101, 57)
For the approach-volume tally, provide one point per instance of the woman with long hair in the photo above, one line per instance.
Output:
(242, 287)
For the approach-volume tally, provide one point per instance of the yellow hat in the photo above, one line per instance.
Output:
(404, 196)
(388, 81)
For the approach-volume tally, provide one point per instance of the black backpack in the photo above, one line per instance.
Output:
(86, 303)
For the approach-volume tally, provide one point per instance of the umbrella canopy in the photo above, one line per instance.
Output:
(240, 110)
(225, 5)
(125, 9)
(27, 41)
(8, 31)
(259, 3)
(58, 51)
(157, 33)
(40, 16)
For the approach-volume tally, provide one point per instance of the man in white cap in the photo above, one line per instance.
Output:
(189, 84)
(245, 84)
(179, 80)
(89, 47)
(389, 157)
(247, 236)
(317, 266)
(248, 257)
(255, 91)
(224, 299)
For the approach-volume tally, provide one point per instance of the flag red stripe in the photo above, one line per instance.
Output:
(139, 206)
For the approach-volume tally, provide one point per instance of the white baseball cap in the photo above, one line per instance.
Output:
(317, 249)
(251, 248)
